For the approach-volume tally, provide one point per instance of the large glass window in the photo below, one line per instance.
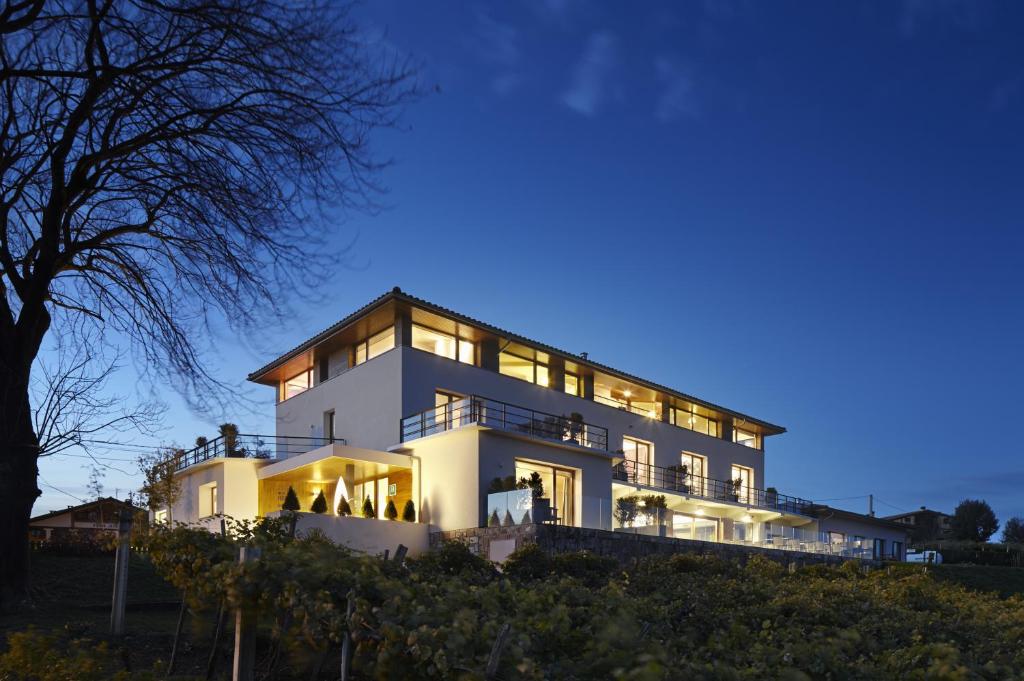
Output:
(689, 418)
(636, 400)
(639, 456)
(299, 383)
(573, 384)
(696, 472)
(747, 438)
(701, 528)
(743, 481)
(558, 487)
(522, 368)
(375, 345)
(443, 344)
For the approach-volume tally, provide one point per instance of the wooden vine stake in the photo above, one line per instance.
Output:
(244, 668)
(117, 605)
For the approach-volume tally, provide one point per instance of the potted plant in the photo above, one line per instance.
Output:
(574, 427)
(390, 511)
(494, 520)
(229, 432)
(737, 484)
(496, 486)
(771, 497)
(626, 510)
(541, 506)
(409, 512)
(291, 501)
(319, 504)
(368, 510)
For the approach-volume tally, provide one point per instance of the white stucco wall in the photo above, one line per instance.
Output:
(366, 400)
(365, 535)
(423, 373)
(237, 489)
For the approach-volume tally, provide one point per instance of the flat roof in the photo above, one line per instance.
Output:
(397, 295)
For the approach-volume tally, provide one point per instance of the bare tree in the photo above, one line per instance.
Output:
(161, 489)
(72, 407)
(167, 166)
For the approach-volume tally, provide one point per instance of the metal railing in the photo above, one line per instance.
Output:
(628, 406)
(676, 479)
(500, 415)
(250, 447)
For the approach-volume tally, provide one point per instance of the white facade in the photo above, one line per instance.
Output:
(405, 363)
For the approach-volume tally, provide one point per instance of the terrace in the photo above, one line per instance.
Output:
(481, 411)
(247, 446)
(676, 479)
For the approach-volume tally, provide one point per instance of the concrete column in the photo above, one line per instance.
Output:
(489, 354)
(666, 404)
(726, 429)
(403, 328)
(556, 374)
(588, 386)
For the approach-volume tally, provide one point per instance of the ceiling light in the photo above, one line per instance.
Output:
(700, 510)
(627, 393)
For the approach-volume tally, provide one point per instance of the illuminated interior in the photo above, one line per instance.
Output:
(443, 344)
(559, 488)
(375, 345)
(336, 476)
(515, 361)
(690, 418)
(297, 384)
(745, 437)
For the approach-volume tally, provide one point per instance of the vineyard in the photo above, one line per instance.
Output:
(451, 615)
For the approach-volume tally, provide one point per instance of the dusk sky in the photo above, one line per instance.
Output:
(807, 212)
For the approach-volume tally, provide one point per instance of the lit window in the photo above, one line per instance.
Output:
(442, 344)
(696, 472)
(747, 438)
(743, 482)
(297, 384)
(160, 517)
(522, 368)
(208, 500)
(375, 345)
(572, 384)
(639, 456)
(690, 419)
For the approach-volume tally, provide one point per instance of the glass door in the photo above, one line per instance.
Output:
(638, 460)
(564, 494)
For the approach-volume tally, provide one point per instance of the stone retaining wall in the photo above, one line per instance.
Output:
(623, 546)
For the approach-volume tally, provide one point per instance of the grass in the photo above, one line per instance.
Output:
(1006, 581)
(73, 594)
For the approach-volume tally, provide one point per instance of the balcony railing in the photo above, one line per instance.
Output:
(502, 416)
(250, 447)
(675, 479)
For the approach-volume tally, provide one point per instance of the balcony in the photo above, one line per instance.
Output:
(249, 447)
(482, 411)
(674, 479)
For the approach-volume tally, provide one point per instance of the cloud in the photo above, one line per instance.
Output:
(677, 96)
(497, 45)
(590, 84)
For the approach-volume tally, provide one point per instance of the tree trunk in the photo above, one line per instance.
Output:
(19, 449)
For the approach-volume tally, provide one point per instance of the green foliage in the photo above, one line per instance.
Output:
(973, 520)
(495, 486)
(1013, 531)
(35, 656)
(368, 510)
(583, 616)
(343, 507)
(291, 501)
(409, 512)
(533, 483)
(319, 504)
(229, 432)
(390, 511)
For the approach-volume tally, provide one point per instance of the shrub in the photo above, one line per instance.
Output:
(35, 656)
(319, 504)
(454, 558)
(291, 501)
(368, 511)
(1013, 531)
(494, 520)
(343, 508)
(527, 564)
(409, 512)
(390, 512)
(973, 520)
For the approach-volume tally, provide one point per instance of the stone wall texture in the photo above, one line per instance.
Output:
(624, 547)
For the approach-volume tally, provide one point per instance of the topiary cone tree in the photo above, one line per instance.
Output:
(390, 512)
(319, 504)
(409, 512)
(368, 511)
(343, 507)
(291, 501)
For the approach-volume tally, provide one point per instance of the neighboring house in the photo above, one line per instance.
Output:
(90, 521)
(406, 400)
(925, 524)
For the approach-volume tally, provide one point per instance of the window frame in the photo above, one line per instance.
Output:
(367, 342)
(533, 365)
(283, 391)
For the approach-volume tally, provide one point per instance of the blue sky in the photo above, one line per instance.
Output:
(810, 212)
